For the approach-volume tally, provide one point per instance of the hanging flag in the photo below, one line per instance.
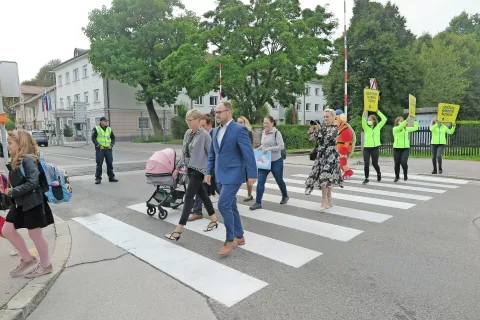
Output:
(46, 102)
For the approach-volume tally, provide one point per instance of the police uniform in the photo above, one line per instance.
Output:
(103, 137)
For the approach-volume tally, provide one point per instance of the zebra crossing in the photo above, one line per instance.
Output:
(195, 270)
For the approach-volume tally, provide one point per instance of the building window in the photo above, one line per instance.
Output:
(213, 100)
(307, 91)
(143, 123)
(85, 97)
(299, 104)
(67, 77)
(76, 98)
(60, 80)
(85, 71)
(307, 107)
(317, 91)
(199, 101)
(317, 107)
(75, 75)
(96, 95)
(61, 103)
(69, 102)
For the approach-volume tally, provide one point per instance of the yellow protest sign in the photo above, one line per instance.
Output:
(370, 100)
(447, 113)
(412, 105)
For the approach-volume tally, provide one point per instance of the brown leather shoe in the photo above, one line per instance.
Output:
(239, 241)
(227, 248)
(194, 217)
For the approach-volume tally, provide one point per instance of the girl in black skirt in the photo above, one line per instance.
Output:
(30, 209)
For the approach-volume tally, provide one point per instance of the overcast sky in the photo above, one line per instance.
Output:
(32, 32)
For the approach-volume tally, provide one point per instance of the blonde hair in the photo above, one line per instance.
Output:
(330, 111)
(246, 122)
(26, 145)
(194, 114)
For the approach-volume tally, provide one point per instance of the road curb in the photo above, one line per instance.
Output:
(29, 297)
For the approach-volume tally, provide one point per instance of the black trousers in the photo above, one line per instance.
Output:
(108, 156)
(374, 154)
(437, 152)
(195, 187)
(400, 157)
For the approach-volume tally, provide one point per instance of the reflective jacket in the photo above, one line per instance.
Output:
(401, 139)
(372, 133)
(439, 133)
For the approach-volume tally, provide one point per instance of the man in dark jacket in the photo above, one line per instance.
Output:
(103, 139)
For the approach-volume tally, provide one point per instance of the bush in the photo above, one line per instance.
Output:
(67, 132)
(296, 136)
(289, 115)
(179, 126)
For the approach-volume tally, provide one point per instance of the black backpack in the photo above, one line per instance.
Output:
(283, 152)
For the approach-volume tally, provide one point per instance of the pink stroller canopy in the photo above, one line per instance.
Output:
(161, 162)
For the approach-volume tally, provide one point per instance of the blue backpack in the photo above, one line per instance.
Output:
(54, 181)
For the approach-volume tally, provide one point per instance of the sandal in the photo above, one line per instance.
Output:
(248, 199)
(172, 237)
(211, 226)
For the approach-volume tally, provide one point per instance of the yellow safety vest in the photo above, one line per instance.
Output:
(103, 136)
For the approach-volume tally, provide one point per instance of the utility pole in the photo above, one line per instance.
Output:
(345, 98)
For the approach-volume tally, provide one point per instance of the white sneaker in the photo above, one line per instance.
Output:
(14, 253)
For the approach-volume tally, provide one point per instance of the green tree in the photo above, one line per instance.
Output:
(8, 106)
(10, 125)
(289, 115)
(378, 47)
(268, 49)
(466, 24)
(44, 77)
(130, 39)
(444, 77)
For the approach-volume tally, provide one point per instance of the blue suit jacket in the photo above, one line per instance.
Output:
(233, 161)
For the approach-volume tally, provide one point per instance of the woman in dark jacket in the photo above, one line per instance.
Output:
(244, 122)
(30, 209)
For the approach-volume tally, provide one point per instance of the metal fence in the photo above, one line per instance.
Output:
(464, 142)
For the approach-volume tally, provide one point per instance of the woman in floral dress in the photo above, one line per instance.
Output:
(326, 168)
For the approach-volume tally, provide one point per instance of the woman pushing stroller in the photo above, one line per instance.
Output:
(196, 145)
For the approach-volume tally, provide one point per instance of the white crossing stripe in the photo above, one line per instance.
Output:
(277, 250)
(428, 178)
(396, 186)
(323, 229)
(401, 182)
(335, 210)
(375, 192)
(215, 280)
(347, 197)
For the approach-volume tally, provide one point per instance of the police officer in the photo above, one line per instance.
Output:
(103, 139)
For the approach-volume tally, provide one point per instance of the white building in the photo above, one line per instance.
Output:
(76, 81)
(28, 111)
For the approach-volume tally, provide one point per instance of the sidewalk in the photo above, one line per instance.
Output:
(102, 281)
(20, 296)
(459, 169)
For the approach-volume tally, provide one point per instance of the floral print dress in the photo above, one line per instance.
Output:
(326, 168)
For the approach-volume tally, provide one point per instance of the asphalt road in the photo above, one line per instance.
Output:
(384, 251)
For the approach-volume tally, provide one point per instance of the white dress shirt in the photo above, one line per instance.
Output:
(221, 132)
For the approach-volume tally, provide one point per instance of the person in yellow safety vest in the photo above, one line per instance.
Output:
(103, 139)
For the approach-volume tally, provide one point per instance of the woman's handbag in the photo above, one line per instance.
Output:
(313, 154)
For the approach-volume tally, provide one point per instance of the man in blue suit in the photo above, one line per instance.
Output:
(231, 159)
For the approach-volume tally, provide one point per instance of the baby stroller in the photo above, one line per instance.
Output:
(159, 172)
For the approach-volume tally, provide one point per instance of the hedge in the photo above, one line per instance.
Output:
(296, 136)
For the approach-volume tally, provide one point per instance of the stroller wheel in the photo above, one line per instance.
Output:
(162, 213)
(151, 211)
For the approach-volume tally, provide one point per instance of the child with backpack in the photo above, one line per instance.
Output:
(30, 205)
